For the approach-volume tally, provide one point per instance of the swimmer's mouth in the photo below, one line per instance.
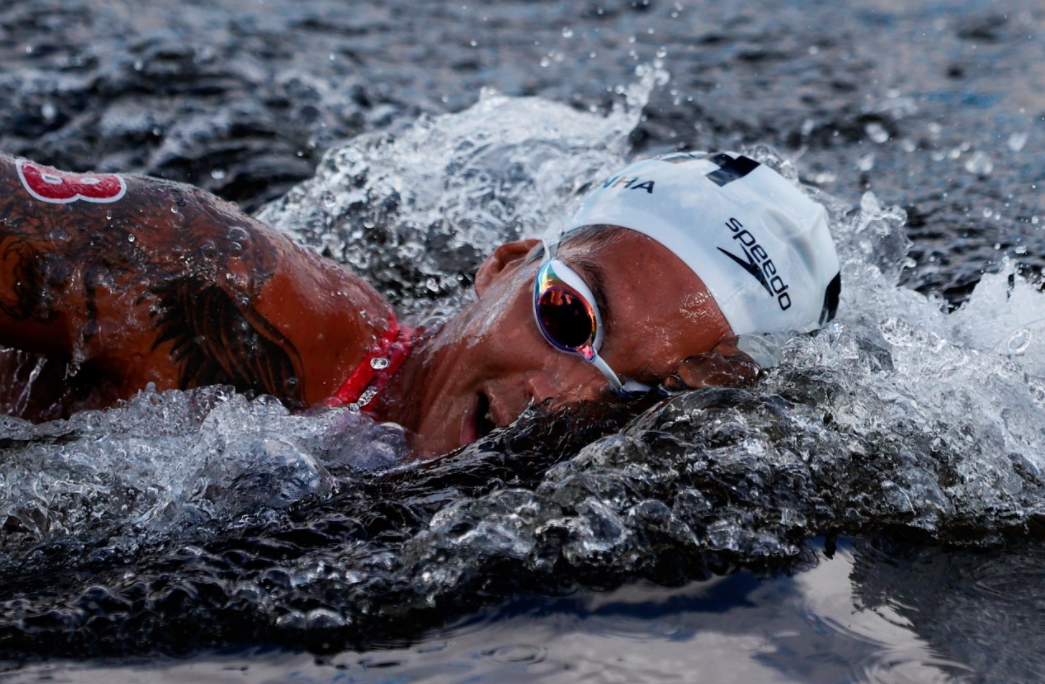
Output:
(484, 424)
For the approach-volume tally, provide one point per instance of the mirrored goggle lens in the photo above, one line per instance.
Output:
(566, 319)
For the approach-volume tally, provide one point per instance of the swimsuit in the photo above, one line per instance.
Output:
(377, 369)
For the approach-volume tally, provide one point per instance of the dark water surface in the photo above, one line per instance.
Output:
(697, 542)
(937, 106)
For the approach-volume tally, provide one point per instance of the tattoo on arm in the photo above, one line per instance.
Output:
(219, 341)
(199, 268)
(19, 259)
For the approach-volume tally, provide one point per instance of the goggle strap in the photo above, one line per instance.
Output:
(633, 386)
(608, 372)
(550, 249)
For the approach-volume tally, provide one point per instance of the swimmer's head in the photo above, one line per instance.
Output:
(677, 256)
(759, 244)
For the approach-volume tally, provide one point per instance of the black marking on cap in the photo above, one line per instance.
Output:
(730, 169)
(751, 266)
(831, 295)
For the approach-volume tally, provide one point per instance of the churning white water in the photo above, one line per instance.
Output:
(897, 412)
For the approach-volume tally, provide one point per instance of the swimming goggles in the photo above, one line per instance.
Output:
(568, 318)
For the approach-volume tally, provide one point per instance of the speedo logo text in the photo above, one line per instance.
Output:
(757, 263)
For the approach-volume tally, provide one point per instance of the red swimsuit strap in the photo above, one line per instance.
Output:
(377, 369)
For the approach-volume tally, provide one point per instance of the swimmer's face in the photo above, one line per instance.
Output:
(491, 359)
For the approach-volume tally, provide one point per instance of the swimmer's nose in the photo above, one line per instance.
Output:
(538, 388)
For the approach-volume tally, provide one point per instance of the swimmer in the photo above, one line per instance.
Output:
(127, 281)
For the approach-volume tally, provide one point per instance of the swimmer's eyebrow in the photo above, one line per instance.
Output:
(595, 276)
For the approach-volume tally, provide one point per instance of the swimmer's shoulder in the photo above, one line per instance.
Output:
(172, 285)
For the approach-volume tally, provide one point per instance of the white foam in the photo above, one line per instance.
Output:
(449, 188)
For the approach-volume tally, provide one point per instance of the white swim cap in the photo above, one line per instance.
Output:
(759, 244)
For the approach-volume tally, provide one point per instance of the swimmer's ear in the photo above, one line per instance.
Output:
(503, 260)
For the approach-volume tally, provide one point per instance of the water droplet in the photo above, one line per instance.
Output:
(1019, 341)
(1017, 141)
(218, 174)
(876, 132)
(979, 163)
(379, 363)
(174, 208)
(367, 396)
(130, 238)
(865, 162)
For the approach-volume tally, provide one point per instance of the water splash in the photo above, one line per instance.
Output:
(165, 462)
(897, 416)
(416, 213)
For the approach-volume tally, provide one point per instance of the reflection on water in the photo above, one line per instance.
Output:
(812, 627)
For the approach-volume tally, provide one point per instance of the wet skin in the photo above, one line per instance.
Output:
(173, 286)
(660, 323)
(170, 285)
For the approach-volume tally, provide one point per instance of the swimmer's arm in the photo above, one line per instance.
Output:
(28, 321)
(172, 285)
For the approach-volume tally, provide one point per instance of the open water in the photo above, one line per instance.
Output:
(871, 510)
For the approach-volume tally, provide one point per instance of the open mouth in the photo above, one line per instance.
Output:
(484, 424)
